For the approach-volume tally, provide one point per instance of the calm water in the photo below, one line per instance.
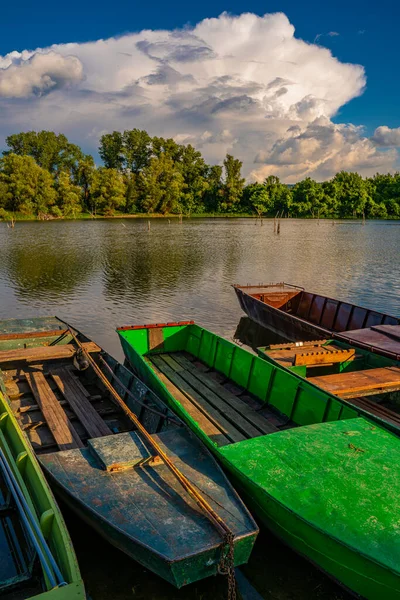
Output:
(100, 274)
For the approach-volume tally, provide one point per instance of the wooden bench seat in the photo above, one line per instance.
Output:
(360, 383)
(39, 353)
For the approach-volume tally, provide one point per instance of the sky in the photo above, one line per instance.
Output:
(292, 89)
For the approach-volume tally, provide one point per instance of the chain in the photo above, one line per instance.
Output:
(227, 565)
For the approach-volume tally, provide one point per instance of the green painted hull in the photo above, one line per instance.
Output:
(317, 486)
(39, 497)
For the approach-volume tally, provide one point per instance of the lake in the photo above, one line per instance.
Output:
(104, 273)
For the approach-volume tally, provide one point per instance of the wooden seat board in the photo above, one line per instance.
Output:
(215, 434)
(44, 352)
(86, 413)
(196, 400)
(242, 408)
(368, 381)
(60, 426)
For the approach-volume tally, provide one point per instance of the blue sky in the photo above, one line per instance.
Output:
(366, 35)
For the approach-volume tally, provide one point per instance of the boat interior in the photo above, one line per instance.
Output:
(365, 378)
(328, 313)
(232, 394)
(81, 434)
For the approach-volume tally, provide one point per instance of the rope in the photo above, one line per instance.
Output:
(226, 565)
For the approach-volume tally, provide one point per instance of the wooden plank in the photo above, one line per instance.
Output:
(369, 381)
(216, 434)
(60, 426)
(156, 338)
(324, 357)
(32, 334)
(202, 404)
(86, 413)
(44, 352)
(237, 420)
(212, 388)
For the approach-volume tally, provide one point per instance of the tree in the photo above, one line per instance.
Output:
(111, 150)
(352, 193)
(52, 152)
(68, 196)
(161, 185)
(233, 185)
(83, 178)
(194, 171)
(307, 196)
(213, 193)
(256, 198)
(108, 190)
(279, 193)
(27, 187)
(137, 149)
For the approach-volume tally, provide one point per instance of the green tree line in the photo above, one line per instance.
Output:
(43, 174)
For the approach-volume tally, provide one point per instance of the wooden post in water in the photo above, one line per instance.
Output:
(148, 225)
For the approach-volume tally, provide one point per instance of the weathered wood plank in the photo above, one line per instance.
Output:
(289, 345)
(60, 426)
(216, 392)
(324, 357)
(32, 334)
(86, 413)
(44, 352)
(215, 434)
(197, 399)
(359, 383)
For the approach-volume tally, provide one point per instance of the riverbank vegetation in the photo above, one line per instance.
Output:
(43, 175)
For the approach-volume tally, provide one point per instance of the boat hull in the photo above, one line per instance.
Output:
(349, 569)
(281, 323)
(166, 535)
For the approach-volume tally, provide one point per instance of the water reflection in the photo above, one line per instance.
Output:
(253, 335)
(100, 274)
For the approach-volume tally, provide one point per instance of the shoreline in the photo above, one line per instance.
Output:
(89, 217)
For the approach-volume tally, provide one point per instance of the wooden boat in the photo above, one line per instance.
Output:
(320, 475)
(381, 339)
(365, 379)
(37, 559)
(296, 314)
(105, 468)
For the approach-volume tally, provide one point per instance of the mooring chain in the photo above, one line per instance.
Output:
(227, 565)
(227, 562)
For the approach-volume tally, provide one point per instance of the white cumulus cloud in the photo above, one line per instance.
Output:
(22, 75)
(242, 84)
(384, 136)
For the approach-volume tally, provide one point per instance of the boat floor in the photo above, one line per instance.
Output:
(226, 412)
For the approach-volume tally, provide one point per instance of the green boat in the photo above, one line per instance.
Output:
(365, 379)
(315, 471)
(119, 457)
(37, 557)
